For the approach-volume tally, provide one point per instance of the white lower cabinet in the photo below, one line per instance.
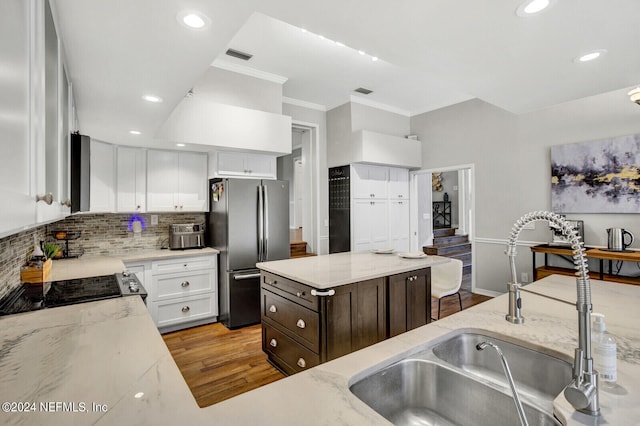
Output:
(182, 291)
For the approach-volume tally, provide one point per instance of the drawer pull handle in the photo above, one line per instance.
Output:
(271, 282)
(273, 343)
(315, 292)
(185, 265)
(301, 323)
(301, 363)
(185, 283)
(186, 309)
(273, 309)
(300, 294)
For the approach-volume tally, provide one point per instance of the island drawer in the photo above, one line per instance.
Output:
(290, 355)
(300, 321)
(289, 289)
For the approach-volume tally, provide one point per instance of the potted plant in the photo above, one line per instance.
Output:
(51, 250)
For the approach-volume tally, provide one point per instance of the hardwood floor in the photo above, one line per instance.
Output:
(218, 363)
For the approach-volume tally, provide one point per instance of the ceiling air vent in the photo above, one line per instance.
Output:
(363, 90)
(238, 54)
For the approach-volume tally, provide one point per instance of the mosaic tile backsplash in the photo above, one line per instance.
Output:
(99, 234)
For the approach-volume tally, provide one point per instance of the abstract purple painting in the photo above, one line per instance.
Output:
(600, 176)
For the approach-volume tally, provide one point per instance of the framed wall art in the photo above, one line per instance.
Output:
(601, 176)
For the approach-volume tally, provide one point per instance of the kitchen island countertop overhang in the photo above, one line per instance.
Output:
(332, 270)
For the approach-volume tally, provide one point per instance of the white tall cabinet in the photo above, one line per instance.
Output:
(379, 207)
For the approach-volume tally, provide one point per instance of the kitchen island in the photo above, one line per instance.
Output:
(319, 308)
(109, 351)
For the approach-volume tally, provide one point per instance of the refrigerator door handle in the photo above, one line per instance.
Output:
(260, 225)
(266, 223)
(246, 276)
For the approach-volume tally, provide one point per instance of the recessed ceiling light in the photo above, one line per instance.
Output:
(303, 30)
(361, 52)
(152, 98)
(339, 44)
(374, 58)
(193, 20)
(532, 7)
(590, 56)
(138, 395)
(180, 145)
(134, 132)
(634, 95)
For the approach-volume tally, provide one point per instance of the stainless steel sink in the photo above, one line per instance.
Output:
(536, 374)
(452, 383)
(414, 391)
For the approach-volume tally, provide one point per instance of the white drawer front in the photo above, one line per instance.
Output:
(182, 284)
(188, 309)
(183, 264)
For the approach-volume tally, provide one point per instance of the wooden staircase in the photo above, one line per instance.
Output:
(447, 243)
(298, 248)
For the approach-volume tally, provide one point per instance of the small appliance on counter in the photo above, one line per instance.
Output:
(186, 236)
(616, 239)
(559, 239)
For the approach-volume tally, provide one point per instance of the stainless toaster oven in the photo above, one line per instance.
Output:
(186, 236)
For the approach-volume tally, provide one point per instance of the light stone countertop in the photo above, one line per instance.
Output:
(95, 266)
(107, 351)
(331, 270)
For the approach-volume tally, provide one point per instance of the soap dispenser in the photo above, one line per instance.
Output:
(604, 351)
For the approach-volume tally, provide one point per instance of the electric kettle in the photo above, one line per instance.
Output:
(616, 239)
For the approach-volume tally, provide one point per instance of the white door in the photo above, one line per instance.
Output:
(379, 224)
(130, 179)
(102, 182)
(162, 181)
(399, 225)
(398, 183)
(369, 181)
(192, 192)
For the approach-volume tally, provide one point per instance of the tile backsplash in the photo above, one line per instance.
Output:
(99, 234)
(13, 254)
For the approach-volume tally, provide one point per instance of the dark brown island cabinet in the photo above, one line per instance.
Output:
(303, 327)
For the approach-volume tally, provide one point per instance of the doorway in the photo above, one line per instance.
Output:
(432, 210)
(300, 168)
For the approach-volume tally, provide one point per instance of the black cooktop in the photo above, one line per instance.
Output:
(30, 297)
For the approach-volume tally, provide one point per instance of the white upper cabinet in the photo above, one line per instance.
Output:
(241, 164)
(369, 181)
(131, 179)
(193, 183)
(16, 173)
(102, 197)
(398, 183)
(176, 181)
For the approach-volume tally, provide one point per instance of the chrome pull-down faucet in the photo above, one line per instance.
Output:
(582, 392)
(505, 366)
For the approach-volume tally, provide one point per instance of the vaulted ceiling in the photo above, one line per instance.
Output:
(431, 53)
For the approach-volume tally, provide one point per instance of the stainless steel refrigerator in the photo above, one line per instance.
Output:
(248, 221)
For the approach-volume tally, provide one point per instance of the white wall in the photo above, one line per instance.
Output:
(339, 132)
(512, 167)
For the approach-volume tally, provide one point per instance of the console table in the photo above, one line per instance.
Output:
(590, 252)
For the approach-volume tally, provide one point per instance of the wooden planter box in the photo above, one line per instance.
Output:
(36, 274)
